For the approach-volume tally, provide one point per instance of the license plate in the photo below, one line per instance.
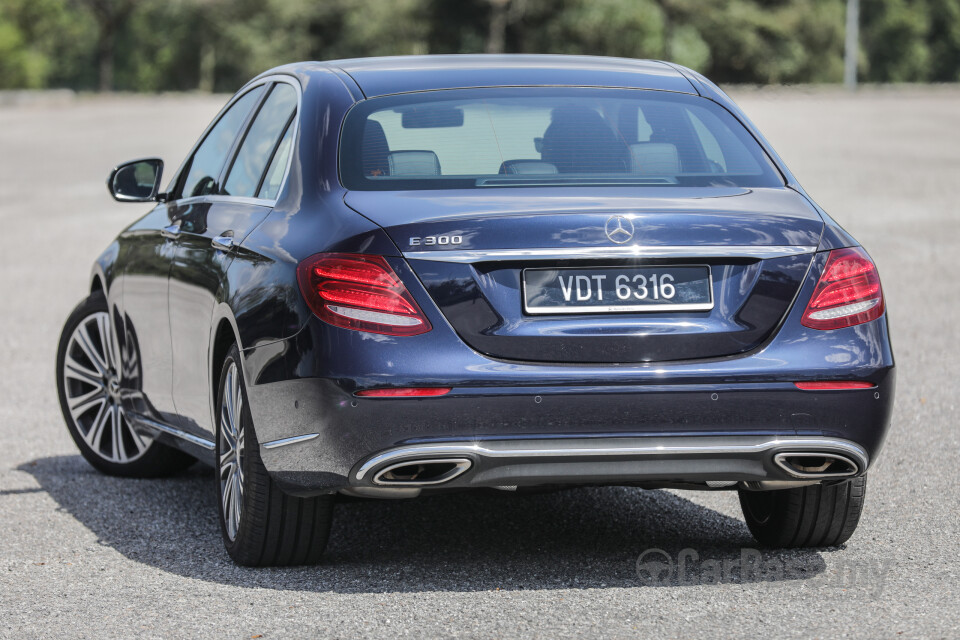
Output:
(617, 289)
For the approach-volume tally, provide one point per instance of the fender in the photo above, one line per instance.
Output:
(102, 273)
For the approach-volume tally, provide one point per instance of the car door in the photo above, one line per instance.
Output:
(210, 233)
(147, 250)
(145, 253)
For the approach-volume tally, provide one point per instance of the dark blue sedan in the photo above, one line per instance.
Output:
(395, 276)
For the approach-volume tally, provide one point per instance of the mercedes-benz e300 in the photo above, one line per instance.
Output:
(389, 277)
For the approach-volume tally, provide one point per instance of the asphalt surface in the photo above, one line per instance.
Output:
(83, 555)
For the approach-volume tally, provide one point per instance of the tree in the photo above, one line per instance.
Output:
(943, 38)
(110, 16)
(159, 45)
(894, 40)
(14, 61)
(503, 14)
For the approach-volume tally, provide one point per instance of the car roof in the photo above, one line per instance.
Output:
(401, 74)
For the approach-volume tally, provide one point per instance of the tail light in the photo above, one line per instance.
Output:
(847, 294)
(360, 292)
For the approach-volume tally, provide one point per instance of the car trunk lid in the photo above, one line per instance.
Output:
(470, 249)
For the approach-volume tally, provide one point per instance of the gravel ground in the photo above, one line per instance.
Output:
(83, 555)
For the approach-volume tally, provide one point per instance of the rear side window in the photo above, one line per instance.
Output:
(278, 166)
(536, 136)
(261, 142)
(211, 155)
(711, 148)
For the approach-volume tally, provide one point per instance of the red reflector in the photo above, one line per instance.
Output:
(359, 292)
(404, 392)
(847, 294)
(833, 385)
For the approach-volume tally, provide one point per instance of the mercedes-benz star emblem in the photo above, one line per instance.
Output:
(619, 229)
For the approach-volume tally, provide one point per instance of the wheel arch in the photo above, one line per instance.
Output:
(105, 269)
(96, 284)
(104, 278)
(225, 334)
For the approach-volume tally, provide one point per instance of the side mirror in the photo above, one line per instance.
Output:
(136, 181)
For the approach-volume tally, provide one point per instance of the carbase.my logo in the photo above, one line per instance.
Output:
(656, 567)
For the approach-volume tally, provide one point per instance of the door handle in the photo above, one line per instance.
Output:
(172, 232)
(223, 243)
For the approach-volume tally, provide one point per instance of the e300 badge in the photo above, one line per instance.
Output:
(432, 240)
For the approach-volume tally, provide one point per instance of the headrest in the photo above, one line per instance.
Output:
(413, 163)
(654, 159)
(580, 140)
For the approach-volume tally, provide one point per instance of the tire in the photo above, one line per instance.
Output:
(813, 516)
(94, 366)
(261, 525)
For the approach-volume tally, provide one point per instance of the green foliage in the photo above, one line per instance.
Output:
(943, 39)
(14, 58)
(44, 43)
(768, 41)
(161, 45)
(625, 28)
(894, 40)
(384, 28)
(685, 45)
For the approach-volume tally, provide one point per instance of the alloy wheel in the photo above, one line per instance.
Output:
(92, 381)
(231, 451)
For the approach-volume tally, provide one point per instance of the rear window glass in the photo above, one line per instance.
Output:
(261, 140)
(476, 138)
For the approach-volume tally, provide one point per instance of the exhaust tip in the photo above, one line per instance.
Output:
(422, 472)
(811, 464)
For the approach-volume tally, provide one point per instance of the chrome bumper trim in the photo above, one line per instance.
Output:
(282, 442)
(696, 251)
(657, 448)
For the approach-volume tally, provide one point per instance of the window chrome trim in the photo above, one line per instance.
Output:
(636, 251)
(213, 198)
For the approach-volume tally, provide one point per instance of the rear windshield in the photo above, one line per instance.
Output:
(478, 138)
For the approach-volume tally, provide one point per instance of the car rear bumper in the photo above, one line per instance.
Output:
(534, 436)
(316, 433)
